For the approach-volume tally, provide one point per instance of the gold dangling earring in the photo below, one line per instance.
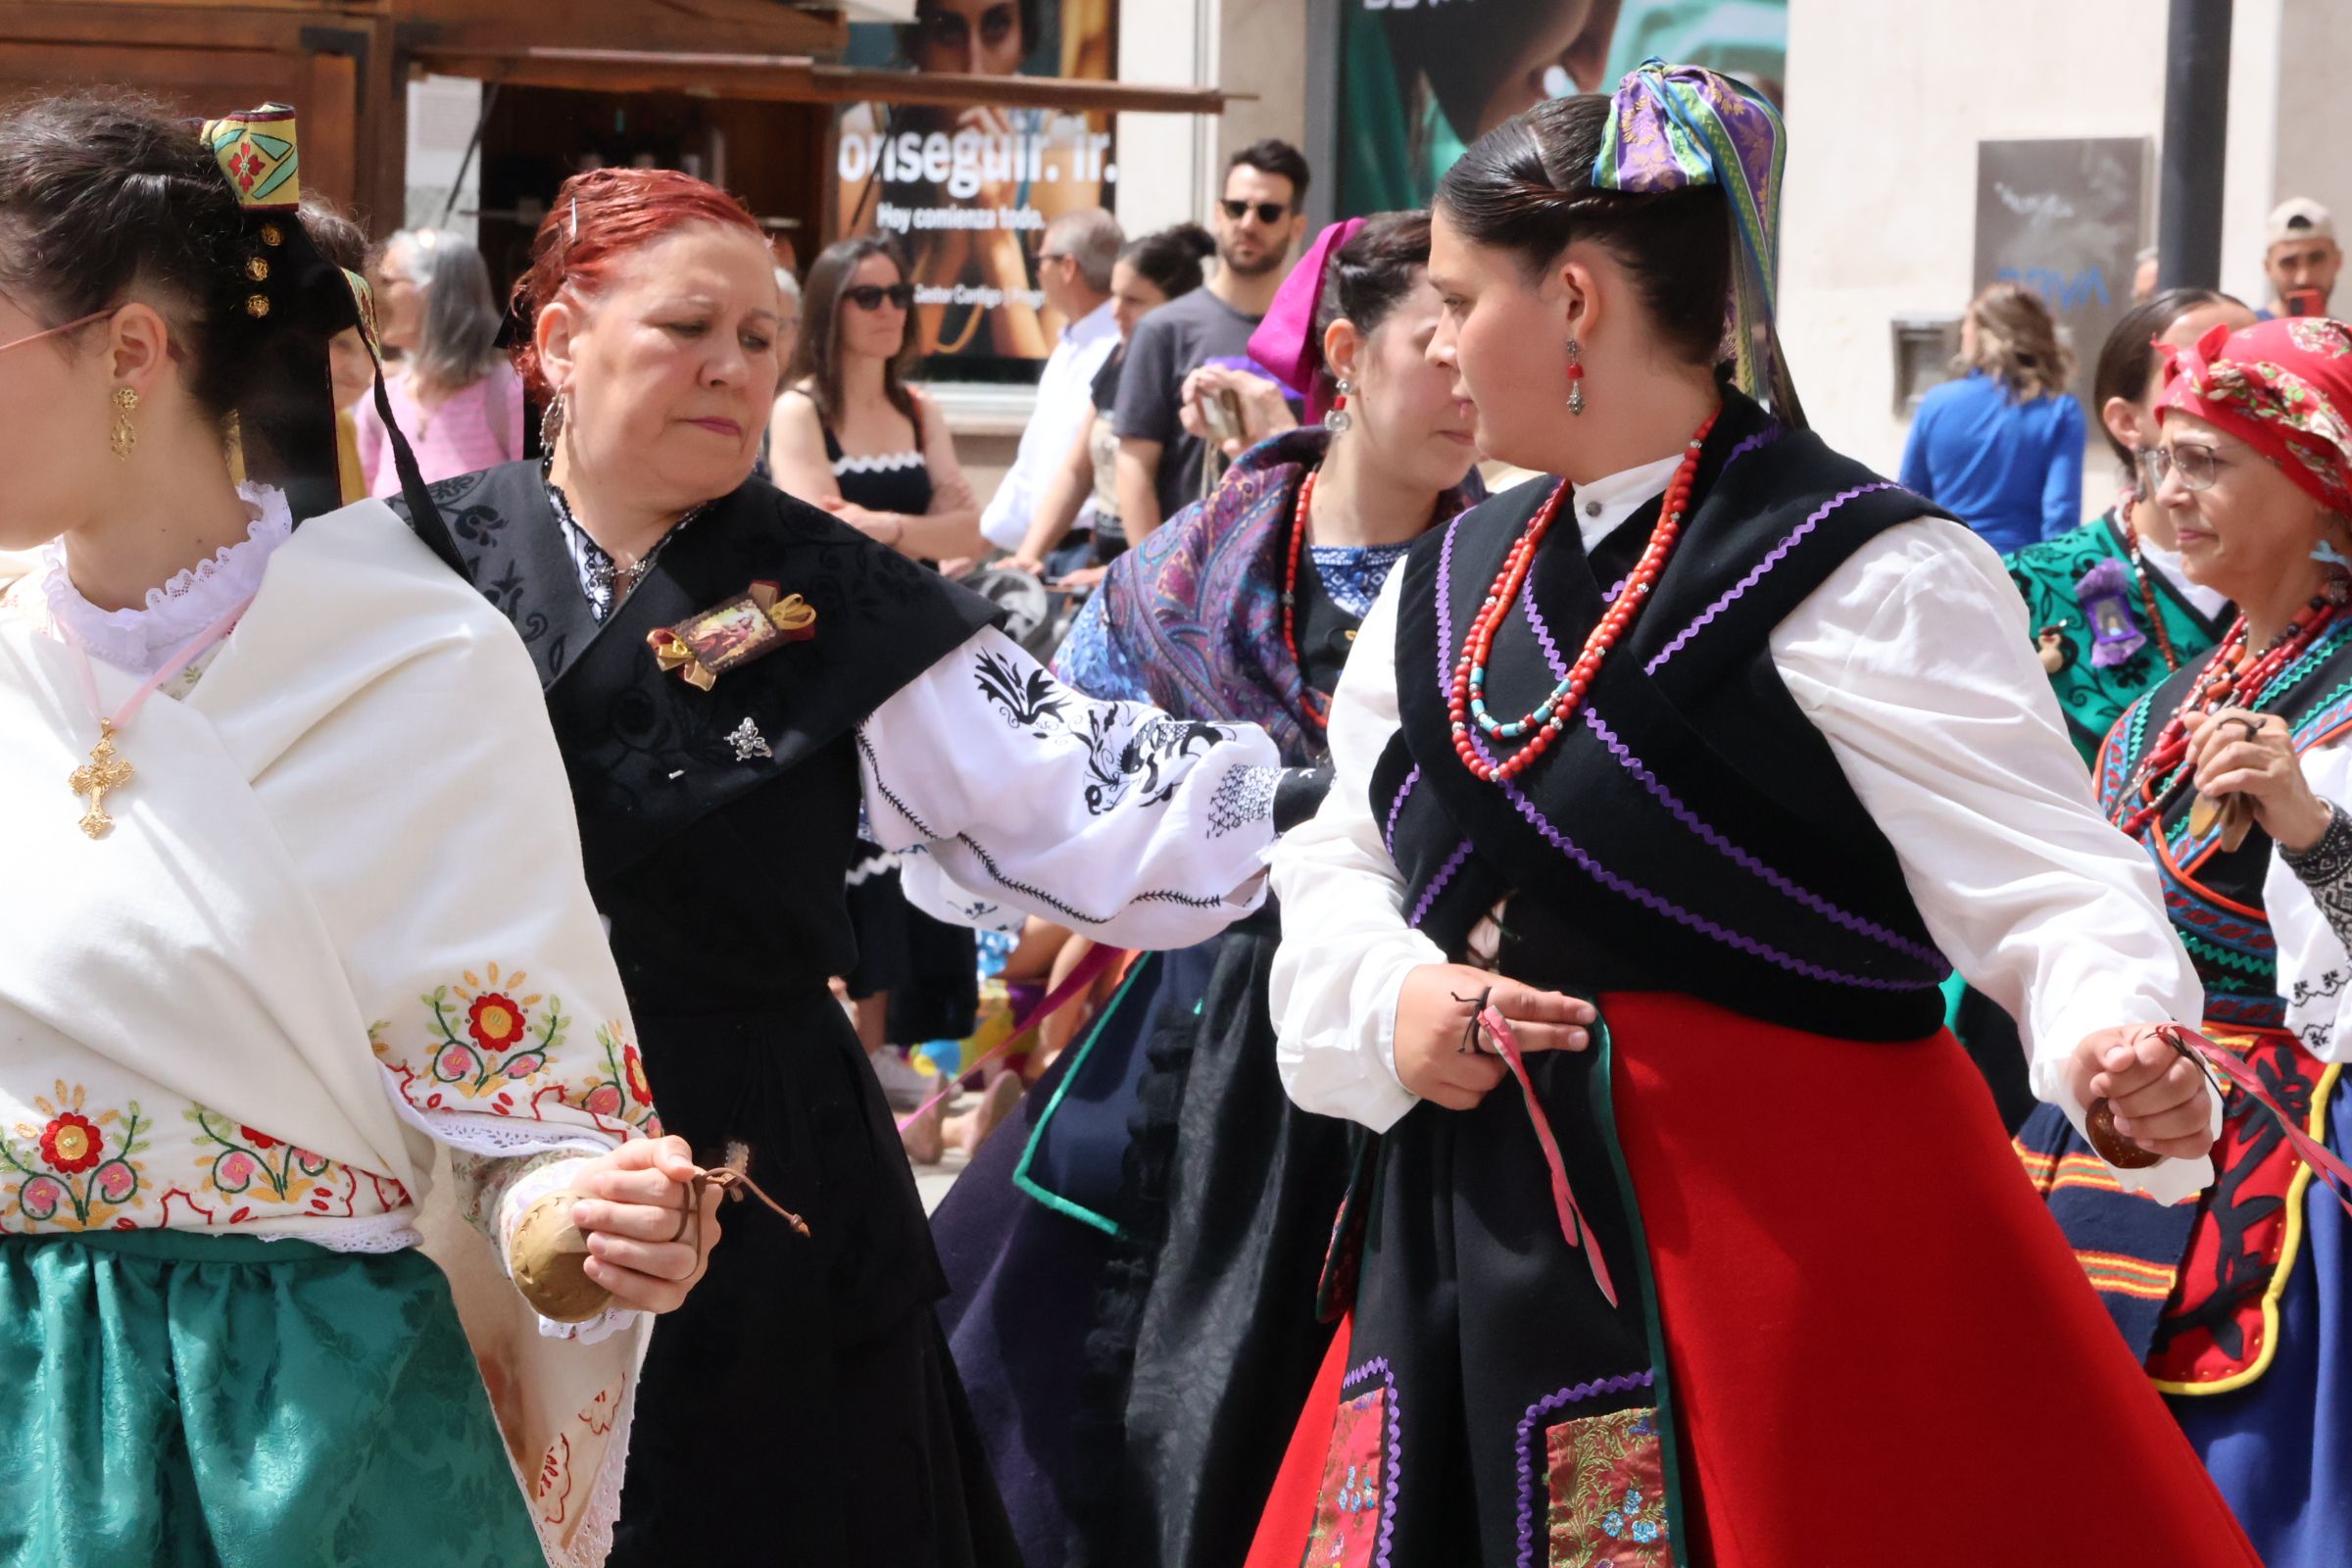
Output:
(124, 435)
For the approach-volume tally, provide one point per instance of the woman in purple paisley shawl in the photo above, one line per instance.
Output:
(1135, 1278)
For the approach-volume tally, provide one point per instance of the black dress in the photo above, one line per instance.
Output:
(800, 1408)
(930, 970)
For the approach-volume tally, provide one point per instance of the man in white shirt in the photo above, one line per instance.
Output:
(1073, 267)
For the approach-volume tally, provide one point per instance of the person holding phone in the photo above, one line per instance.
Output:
(2302, 258)
(1260, 218)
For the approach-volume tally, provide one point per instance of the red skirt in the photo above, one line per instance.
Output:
(1881, 1350)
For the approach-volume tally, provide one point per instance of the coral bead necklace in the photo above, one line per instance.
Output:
(1312, 703)
(1538, 729)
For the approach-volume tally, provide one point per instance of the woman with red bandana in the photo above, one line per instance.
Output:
(2228, 773)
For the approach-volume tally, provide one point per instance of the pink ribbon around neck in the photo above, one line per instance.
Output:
(1573, 1226)
(179, 660)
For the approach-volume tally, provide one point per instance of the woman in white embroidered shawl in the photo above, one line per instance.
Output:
(310, 911)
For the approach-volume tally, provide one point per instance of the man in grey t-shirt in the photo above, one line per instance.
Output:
(1258, 224)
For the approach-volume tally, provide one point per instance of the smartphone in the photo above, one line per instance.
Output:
(2305, 302)
(1221, 410)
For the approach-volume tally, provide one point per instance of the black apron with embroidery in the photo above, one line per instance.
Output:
(799, 1364)
(1690, 832)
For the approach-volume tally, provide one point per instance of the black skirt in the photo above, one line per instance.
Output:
(801, 1406)
(929, 969)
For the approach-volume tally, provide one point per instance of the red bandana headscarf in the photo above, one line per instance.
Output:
(2282, 387)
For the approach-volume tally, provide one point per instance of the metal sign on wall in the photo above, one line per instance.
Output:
(2066, 219)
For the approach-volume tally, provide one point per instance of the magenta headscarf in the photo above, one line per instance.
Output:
(1286, 342)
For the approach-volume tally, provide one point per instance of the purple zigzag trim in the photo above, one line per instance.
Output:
(1389, 834)
(1387, 1493)
(1445, 603)
(1535, 623)
(1749, 863)
(1527, 1448)
(1756, 573)
(1429, 895)
(1762, 439)
(1664, 905)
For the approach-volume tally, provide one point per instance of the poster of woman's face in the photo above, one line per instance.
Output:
(967, 193)
(1460, 69)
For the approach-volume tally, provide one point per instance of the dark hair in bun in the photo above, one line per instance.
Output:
(108, 196)
(1170, 259)
(1373, 273)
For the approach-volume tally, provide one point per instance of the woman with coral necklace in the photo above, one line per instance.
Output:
(2234, 1304)
(1663, 788)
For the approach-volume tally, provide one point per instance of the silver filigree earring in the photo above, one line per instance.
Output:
(550, 423)
(1576, 376)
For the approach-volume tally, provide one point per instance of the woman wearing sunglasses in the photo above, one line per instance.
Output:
(850, 436)
(2229, 772)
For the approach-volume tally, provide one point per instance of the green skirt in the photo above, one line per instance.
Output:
(184, 1400)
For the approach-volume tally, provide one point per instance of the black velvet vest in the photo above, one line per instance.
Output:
(720, 870)
(1691, 830)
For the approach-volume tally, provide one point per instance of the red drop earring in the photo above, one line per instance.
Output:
(1575, 377)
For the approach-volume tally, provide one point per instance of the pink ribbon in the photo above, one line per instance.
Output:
(178, 662)
(1564, 1199)
(1285, 341)
(2324, 1163)
(1073, 984)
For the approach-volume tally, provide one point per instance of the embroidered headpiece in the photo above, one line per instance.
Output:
(259, 153)
(1672, 128)
(2284, 388)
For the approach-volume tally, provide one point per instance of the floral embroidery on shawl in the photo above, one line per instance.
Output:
(496, 1049)
(1608, 1491)
(75, 1170)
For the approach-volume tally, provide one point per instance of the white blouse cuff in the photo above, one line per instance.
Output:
(554, 1177)
(2169, 1183)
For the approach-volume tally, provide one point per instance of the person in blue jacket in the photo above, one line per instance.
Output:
(2002, 446)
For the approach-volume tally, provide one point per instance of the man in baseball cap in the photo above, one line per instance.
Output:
(2302, 258)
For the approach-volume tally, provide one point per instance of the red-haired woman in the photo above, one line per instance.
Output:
(807, 1411)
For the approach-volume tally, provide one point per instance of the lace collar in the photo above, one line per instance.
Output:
(140, 640)
(604, 582)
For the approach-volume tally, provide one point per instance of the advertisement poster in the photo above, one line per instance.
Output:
(1421, 79)
(967, 193)
(2067, 220)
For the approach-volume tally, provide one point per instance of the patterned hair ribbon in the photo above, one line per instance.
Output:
(1672, 128)
(2282, 387)
(1286, 342)
(259, 155)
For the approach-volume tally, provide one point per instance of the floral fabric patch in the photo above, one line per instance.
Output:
(1608, 1478)
(1348, 1509)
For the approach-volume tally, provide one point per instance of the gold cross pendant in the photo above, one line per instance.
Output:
(103, 773)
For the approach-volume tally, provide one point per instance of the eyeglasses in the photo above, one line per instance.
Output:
(35, 337)
(1268, 212)
(869, 296)
(2196, 465)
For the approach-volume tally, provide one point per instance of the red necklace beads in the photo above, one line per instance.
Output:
(1311, 702)
(1541, 727)
(2221, 683)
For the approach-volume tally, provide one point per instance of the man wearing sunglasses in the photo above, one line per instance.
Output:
(1258, 222)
